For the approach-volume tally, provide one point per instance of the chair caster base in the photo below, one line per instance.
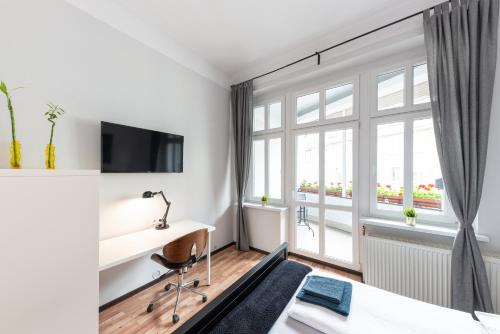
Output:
(196, 283)
(150, 308)
(168, 286)
(204, 299)
(175, 318)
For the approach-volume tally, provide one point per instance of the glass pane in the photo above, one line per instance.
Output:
(275, 115)
(308, 108)
(307, 164)
(307, 228)
(258, 168)
(420, 84)
(339, 101)
(259, 119)
(427, 179)
(338, 235)
(275, 168)
(390, 90)
(390, 165)
(338, 167)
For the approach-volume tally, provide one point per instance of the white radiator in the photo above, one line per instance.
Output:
(418, 271)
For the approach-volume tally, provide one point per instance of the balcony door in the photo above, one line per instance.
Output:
(324, 211)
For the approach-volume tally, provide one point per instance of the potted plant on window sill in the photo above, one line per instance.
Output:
(264, 200)
(410, 216)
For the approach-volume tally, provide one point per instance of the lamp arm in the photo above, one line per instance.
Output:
(164, 219)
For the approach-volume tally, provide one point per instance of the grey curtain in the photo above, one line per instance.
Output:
(461, 44)
(242, 115)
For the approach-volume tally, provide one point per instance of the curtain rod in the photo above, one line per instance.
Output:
(318, 53)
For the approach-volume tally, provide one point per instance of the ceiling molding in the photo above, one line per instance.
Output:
(119, 18)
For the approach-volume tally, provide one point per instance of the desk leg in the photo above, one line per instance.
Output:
(208, 257)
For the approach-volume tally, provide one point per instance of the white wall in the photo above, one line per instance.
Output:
(61, 54)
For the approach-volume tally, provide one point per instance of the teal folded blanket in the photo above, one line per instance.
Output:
(342, 308)
(325, 287)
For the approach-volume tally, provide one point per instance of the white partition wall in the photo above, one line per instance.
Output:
(49, 251)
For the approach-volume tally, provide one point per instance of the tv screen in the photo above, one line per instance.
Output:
(125, 149)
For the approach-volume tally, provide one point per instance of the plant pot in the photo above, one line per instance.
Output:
(15, 154)
(50, 156)
(264, 203)
(411, 221)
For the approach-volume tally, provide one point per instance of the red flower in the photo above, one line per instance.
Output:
(388, 186)
(339, 183)
(430, 185)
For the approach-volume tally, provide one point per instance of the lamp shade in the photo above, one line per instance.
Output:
(147, 194)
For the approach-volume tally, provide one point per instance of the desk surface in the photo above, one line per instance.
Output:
(118, 250)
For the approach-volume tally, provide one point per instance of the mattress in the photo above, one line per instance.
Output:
(405, 312)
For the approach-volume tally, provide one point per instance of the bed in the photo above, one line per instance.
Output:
(263, 300)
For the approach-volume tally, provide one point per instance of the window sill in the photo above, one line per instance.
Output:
(420, 228)
(266, 208)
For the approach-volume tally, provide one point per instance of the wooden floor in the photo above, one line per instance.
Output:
(130, 315)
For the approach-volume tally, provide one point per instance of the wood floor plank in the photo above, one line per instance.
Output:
(130, 316)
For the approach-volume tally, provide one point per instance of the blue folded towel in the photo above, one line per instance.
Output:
(342, 308)
(325, 287)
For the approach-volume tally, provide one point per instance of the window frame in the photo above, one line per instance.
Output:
(408, 105)
(321, 89)
(266, 135)
(447, 218)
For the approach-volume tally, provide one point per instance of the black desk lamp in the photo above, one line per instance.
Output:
(163, 225)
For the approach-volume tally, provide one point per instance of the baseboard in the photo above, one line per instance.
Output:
(153, 282)
(323, 263)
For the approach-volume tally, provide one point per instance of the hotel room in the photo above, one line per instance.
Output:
(253, 167)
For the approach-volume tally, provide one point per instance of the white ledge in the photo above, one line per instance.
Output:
(420, 228)
(264, 207)
(47, 172)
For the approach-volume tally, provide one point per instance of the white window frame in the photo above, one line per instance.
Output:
(266, 135)
(447, 218)
(321, 89)
(408, 105)
(321, 205)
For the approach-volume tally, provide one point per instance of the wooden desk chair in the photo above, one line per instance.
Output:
(179, 255)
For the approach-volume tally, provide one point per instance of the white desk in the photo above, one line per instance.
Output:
(118, 250)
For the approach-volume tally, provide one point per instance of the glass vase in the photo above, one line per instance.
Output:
(50, 156)
(15, 154)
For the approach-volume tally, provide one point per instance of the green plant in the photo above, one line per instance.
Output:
(52, 114)
(410, 212)
(264, 199)
(6, 92)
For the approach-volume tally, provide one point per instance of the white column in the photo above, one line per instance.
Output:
(209, 249)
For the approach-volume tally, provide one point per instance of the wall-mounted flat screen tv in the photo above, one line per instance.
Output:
(125, 149)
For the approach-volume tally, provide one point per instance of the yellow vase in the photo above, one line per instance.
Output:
(15, 154)
(50, 156)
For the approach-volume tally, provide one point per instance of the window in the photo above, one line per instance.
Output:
(408, 173)
(339, 101)
(266, 177)
(390, 165)
(259, 119)
(420, 84)
(268, 117)
(331, 103)
(406, 165)
(308, 108)
(390, 90)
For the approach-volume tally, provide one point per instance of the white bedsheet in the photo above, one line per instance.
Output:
(374, 311)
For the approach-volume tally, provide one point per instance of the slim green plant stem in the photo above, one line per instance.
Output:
(3, 88)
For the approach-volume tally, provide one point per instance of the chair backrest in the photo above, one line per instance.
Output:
(182, 249)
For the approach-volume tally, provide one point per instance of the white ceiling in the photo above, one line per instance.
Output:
(232, 34)
(234, 38)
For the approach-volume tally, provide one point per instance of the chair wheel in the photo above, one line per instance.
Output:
(175, 318)
(204, 298)
(150, 308)
(168, 286)
(196, 283)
